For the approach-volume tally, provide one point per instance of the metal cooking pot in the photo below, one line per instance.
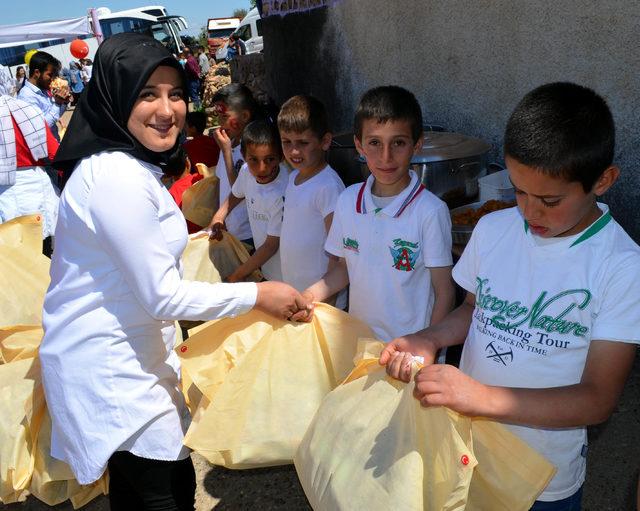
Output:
(449, 165)
(343, 157)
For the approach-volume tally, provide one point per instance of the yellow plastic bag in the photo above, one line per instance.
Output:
(262, 380)
(372, 446)
(202, 199)
(18, 429)
(25, 231)
(25, 271)
(25, 429)
(19, 342)
(53, 482)
(212, 260)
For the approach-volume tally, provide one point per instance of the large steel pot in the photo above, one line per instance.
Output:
(449, 165)
(343, 157)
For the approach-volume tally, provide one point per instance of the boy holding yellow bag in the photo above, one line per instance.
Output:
(260, 184)
(549, 324)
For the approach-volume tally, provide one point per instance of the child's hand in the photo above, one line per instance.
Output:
(235, 277)
(446, 385)
(216, 231)
(305, 315)
(222, 139)
(397, 355)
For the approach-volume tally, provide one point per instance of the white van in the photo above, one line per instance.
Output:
(250, 31)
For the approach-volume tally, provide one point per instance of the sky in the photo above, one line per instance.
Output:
(196, 12)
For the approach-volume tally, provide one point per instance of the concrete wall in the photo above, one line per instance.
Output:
(249, 70)
(468, 62)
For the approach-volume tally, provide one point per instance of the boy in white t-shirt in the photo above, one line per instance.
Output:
(392, 237)
(235, 107)
(311, 195)
(550, 321)
(261, 183)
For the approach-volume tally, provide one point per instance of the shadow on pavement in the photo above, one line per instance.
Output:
(269, 489)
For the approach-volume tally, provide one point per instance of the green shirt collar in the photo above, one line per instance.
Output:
(592, 230)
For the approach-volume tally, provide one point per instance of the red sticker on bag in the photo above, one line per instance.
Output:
(465, 459)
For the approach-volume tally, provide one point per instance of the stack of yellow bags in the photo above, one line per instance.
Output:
(264, 391)
(259, 380)
(26, 466)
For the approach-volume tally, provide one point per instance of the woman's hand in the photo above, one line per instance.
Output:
(446, 385)
(398, 354)
(222, 139)
(305, 315)
(280, 300)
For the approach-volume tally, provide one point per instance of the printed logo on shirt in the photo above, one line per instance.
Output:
(539, 328)
(502, 357)
(405, 254)
(349, 244)
(259, 216)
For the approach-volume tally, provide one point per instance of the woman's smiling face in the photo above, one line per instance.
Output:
(158, 114)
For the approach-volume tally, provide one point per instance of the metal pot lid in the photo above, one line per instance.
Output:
(449, 146)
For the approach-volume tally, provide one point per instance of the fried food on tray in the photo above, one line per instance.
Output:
(471, 216)
(59, 87)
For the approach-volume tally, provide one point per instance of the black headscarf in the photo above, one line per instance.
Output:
(122, 66)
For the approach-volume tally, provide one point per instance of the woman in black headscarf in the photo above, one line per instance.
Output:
(109, 371)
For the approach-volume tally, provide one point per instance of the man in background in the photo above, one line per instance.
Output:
(203, 62)
(192, 70)
(43, 68)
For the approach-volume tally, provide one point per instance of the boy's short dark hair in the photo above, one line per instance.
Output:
(301, 113)
(261, 133)
(198, 120)
(40, 61)
(389, 103)
(563, 130)
(176, 164)
(237, 97)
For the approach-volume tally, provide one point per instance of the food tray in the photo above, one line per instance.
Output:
(461, 234)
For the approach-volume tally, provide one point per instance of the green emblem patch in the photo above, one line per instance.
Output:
(405, 254)
(349, 244)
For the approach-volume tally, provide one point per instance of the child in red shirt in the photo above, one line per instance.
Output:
(179, 166)
(201, 148)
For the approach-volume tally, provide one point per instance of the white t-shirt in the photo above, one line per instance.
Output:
(388, 252)
(109, 371)
(302, 254)
(538, 306)
(237, 221)
(264, 205)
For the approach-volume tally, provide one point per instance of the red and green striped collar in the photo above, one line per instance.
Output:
(397, 207)
(590, 231)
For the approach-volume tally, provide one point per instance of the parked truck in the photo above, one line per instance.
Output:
(218, 32)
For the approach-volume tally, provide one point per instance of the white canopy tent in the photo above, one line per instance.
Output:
(39, 30)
